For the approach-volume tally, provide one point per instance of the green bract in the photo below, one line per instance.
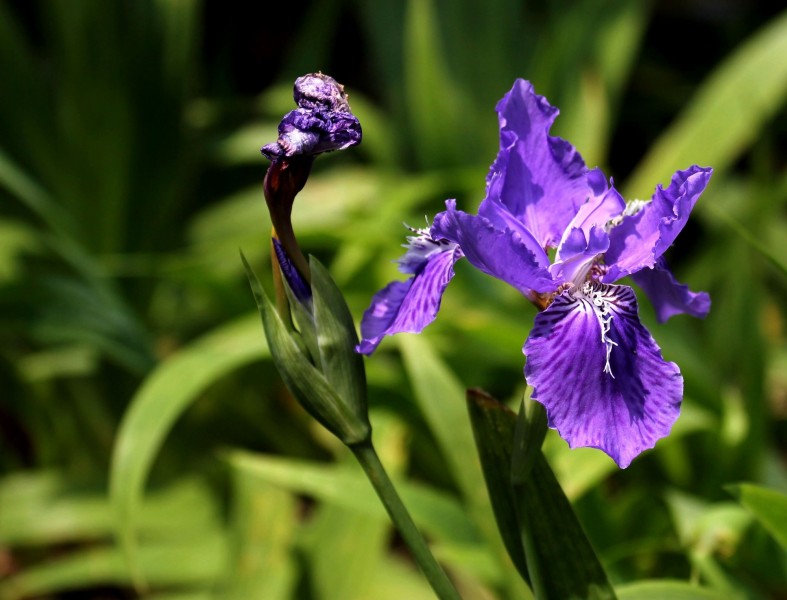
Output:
(333, 389)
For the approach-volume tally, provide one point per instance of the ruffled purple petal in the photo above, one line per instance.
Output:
(538, 179)
(600, 374)
(408, 306)
(668, 297)
(515, 258)
(585, 237)
(578, 253)
(640, 239)
(600, 208)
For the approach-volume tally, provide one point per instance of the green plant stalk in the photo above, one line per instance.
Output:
(367, 456)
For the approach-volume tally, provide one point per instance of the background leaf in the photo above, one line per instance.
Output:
(768, 506)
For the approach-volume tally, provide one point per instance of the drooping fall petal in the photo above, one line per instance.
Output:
(600, 374)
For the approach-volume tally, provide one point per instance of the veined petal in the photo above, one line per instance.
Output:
(668, 296)
(516, 258)
(600, 375)
(408, 306)
(538, 179)
(641, 238)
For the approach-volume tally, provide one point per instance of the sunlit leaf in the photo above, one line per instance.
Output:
(437, 514)
(768, 506)
(263, 528)
(726, 113)
(164, 396)
(666, 590)
(186, 563)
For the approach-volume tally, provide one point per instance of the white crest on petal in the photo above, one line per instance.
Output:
(599, 295)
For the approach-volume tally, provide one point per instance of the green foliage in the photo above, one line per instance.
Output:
(768, 506)
(558, 558)
(145, 437)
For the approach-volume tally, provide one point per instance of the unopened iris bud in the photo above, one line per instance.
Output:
(322, 122)
(311, 333)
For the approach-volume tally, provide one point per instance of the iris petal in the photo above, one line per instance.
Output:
(577, 253)
(537, 179)
(640, 239)
(668, 296)
(408, 306)
(516, 258)
(610, 389)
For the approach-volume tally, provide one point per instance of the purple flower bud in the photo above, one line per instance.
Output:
(322, 122)
(299, 286)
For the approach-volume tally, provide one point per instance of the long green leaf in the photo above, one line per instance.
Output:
(440, 398)
(43, 508)
(263, 529)
(667, 590)
(726, 113)
(437, 514)
(561, 562)
(494, 438)
(163, 397)
(435, 102)
(768, 506)
(191, 563)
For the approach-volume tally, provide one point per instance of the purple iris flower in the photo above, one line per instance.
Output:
(591, 363)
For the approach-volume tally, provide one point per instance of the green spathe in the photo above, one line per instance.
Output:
(345, 417)
(336, 340)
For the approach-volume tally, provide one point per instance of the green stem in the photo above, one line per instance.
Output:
(367, 456)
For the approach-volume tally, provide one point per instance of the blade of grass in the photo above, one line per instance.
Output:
(726, 113)
(163, 397)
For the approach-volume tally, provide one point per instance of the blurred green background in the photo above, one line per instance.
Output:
(130, 176)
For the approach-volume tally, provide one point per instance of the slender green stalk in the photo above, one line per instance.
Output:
(367, 456)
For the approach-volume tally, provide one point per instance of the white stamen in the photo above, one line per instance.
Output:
(419, 248)
(632, 208)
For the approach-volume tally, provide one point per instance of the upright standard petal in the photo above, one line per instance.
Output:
(578, 254)
(516, 258)
(668, 297)
(599, 373)
(538, 179)
(409, 306)
(585, 237)
(641, 238)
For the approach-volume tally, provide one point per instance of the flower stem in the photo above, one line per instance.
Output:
(367, 456)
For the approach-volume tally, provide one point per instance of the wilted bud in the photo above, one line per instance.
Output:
(311, 334)
(322, 122)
